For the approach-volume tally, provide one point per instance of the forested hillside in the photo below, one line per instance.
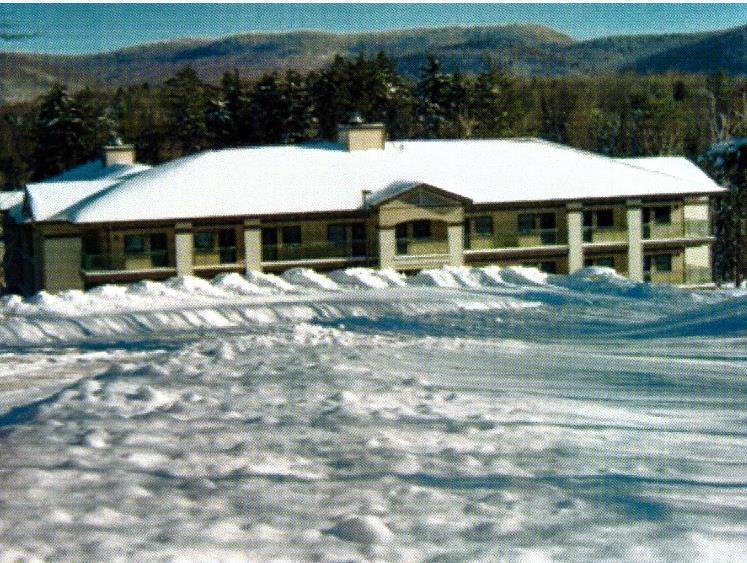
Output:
(527, 50)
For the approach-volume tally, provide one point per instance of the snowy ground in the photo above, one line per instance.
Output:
(464, 414)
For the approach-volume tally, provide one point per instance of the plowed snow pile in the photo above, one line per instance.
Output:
(461, 414)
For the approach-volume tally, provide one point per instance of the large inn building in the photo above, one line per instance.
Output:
(406, 205)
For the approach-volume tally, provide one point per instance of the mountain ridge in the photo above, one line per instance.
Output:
(527, 49)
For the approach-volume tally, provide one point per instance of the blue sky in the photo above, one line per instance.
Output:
(87, 28)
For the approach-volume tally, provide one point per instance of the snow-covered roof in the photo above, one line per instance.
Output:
(50, 198)
(9, 199)
(324, 177)
(96, 171)
(677, 166)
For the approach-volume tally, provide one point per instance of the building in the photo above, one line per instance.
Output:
(406, 205)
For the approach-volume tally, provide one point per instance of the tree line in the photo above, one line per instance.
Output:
(621, 115)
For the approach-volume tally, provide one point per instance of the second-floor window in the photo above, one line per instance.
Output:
(292, 235)
(483, 225)
(421, 229)
(538, 223)
(599, 219)
(661, 215)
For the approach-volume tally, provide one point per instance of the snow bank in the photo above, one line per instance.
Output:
(305, 277)
(367, 278)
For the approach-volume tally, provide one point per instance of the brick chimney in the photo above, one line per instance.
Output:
(118, 153)
(358, 135)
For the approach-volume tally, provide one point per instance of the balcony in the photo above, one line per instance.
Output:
(605, 235)
(422, 246)
(217, 256)
(673, 277)
(697, 228)
(698, 275)
(313, 251)
(526, 239)
(126, 261)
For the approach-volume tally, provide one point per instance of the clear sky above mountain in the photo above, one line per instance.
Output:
(88, 28)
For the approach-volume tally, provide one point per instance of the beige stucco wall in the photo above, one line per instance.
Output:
(123, 154)
(253, 249)
(363, 137)
(396, 212)
(387, 247)
(635, 244)
(61, 259)
(574, 220)
(183, 244)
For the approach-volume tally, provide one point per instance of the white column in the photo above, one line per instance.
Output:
(455, 234)
(574, 216)
(387, 247)
(635, 240)
(252, 248)
(183, 247)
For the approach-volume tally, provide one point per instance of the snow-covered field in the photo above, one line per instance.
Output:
(463, 414)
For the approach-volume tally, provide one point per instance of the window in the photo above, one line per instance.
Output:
(604, 261)
(549, 267)
(359, 239)
(647, 263)
(484, 225)
(547, 221)
(526, 223)
(203, 242)
(605, 218)
(134, 244)
(337, 234)
(159, 250)
(662, 215)
(269, 244)
(227, 238)
(227, 246)
(663, 262)
(421, 229)
(291, 235)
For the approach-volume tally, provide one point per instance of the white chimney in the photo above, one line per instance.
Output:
(119, 153)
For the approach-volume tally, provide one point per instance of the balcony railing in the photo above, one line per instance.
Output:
(673, 277)
(662, 231)
(313, 251)
(698, 274)
(697, 228)
(126, 261)
(215, 256)
(422, 246)
(605, 234)
(525, 239)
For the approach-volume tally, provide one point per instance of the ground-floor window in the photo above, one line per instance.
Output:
(602, 261)
(221, 242)
(542, 224)
(153, 246)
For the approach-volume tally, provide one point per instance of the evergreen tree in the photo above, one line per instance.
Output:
(139, 119)
(433, 99)
(184, 98)
(329, 96)
(300, 124)
(60, 135)
(499, 104)
(727, 163)
(270, 109)
(229, 115)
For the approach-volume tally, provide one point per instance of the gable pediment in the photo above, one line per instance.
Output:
(425, 196)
